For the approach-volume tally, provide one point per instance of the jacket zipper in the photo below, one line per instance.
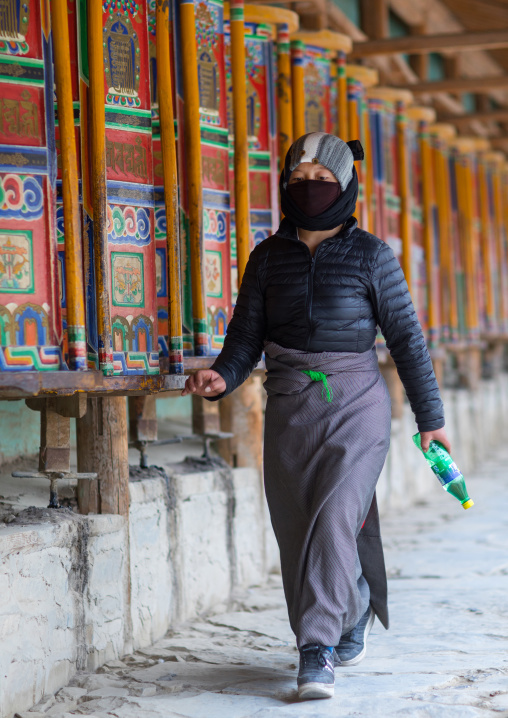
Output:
(310, 297)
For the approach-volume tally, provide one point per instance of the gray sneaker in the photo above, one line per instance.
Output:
(316, 677)
(352, 647)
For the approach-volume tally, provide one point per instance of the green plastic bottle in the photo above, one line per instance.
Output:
(446, 470)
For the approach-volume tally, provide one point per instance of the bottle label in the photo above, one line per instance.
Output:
(448, 473)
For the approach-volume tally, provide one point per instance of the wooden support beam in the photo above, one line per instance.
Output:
(420, 62)
(458, 85)
(168, 146)
(298, 87)
(192, 137)
(374, 18)
(102, 447)
(99, 194)
(54, 451)
(74, 289)
(205, 416)
(432, 43)
(491, 116)
(241, 145)
(284, 94)
(142, 418)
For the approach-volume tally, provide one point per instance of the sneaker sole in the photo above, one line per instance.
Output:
(362, 654)
(315, 690)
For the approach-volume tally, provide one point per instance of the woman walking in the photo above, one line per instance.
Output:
(311, 299)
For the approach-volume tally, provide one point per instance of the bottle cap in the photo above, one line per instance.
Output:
(467, 504)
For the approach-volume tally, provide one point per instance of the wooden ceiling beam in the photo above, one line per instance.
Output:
(491, 116)
(413, 45)
(459, 84)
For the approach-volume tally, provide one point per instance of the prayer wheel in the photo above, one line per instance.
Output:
(167, 213)
(467, 255)
(440, 137)
(266, 48)
(315, 84)
(359, 78)
(425, 259)
(496, 168)
(390, 135)
(202, 118)
(31, 259)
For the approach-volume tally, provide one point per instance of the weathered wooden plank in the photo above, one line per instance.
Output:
(458, 84)
(432, 43)
(102, 447)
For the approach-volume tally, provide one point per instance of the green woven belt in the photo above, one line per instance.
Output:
(319, 376)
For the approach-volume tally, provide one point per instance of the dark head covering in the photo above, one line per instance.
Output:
(338, 157)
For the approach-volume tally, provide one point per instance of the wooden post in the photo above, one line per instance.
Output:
(358, 79)
(284, 94)
(102, 447)
(419, 63)
(169, 168)
(142, 418)
(354, 104)
(242, 212)
(205, 416)
(241, 414)
(98, 179)
(369, 166)
(192, 133)
(298, 86)
(342, 106)
(54, 451)
(74, 289)
(374, 16)
(405, 193)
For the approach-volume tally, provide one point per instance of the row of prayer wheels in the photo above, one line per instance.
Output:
(129, 206)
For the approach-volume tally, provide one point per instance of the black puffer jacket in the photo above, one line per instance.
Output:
(331, 302)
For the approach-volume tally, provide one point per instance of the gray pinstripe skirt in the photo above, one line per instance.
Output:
(322, 461)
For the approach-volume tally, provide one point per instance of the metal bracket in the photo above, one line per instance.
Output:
(53, 477)
(208, 437)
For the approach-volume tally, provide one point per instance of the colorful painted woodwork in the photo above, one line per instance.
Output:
(30, 316)
(110, 91)
(314, 78)
(359, 78)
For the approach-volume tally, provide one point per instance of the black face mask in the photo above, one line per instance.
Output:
(314, 196)
(335, 214)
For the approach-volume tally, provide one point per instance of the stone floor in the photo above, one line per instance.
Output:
(444, 657)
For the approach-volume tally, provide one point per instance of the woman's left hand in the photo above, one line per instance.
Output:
(439, 435)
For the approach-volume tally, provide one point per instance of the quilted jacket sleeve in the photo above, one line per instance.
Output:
(243, 345)
(399, 324)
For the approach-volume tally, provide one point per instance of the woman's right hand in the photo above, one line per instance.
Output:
(205, 382)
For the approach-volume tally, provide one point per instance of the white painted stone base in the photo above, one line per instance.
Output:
(195, 540)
